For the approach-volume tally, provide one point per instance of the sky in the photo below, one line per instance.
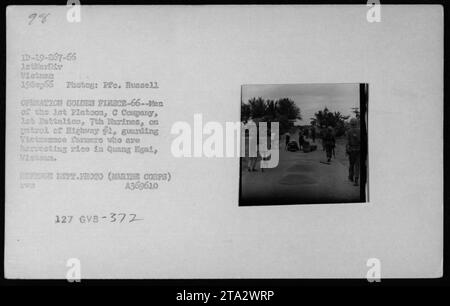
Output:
(310, 98)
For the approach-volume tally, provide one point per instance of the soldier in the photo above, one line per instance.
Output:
(306, 133)
(353, 150)
(288, 138)
(252, 145)
(301, 140)
(313, 134)
(329, 142)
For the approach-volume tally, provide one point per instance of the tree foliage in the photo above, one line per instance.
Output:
(283, 110)
(325, 118)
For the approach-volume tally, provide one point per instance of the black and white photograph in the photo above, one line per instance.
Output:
(233, 143)
(322, 144)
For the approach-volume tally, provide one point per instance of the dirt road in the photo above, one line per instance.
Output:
(301, 178)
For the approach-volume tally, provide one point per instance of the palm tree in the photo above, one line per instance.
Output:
(284, 111)
(257, 107)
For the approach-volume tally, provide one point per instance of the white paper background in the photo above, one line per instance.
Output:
(200, 57)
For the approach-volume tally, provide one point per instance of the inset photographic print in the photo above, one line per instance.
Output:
(318, 153)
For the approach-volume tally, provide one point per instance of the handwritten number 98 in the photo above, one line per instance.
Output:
(42, 17)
